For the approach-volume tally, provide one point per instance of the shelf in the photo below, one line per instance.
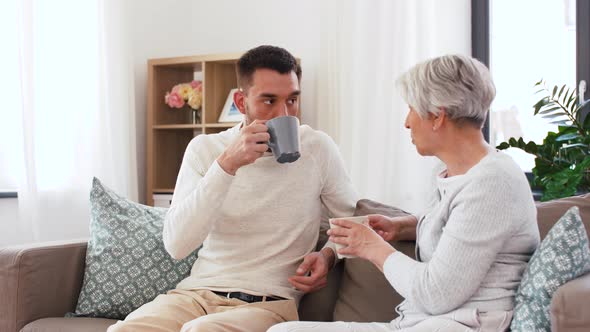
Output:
(162, 191)
(179, 126)
(194, 126)
(221, 125)
(169, 131)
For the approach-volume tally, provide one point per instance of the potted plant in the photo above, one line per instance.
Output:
(562, 161)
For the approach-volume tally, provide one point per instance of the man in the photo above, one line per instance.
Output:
(257, 219)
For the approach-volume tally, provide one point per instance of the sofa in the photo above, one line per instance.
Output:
(40, 283)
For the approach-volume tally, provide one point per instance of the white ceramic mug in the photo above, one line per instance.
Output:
(359, 220)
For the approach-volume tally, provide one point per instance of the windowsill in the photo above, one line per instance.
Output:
(8, 194)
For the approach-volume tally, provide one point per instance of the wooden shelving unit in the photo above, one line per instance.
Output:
(169, 130)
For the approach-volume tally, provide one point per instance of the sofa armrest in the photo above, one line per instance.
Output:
(39, 280)
(569, 306)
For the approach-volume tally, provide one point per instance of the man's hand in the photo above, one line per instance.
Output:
(249, 146)
(312, 274)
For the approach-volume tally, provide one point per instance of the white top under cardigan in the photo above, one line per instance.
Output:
(256, 226)
(472, 247)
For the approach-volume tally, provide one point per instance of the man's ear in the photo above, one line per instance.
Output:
(240, 101)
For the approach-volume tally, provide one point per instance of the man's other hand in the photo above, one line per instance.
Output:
(312, 274)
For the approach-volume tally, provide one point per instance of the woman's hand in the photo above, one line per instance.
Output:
(361, 241)
(395, 228)
(384, 226)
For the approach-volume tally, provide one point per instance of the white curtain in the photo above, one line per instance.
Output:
(72, 112)
(366, 45)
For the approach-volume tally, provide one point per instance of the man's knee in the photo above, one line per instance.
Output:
(203, 324)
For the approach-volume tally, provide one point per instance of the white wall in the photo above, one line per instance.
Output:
(156, 28)
(183, 27)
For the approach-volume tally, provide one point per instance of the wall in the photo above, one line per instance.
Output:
(183, 27)
(155, 28)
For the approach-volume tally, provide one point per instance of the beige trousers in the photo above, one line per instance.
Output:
(203, 310)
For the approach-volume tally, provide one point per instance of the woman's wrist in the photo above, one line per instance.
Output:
(379, 256)
(407, 230)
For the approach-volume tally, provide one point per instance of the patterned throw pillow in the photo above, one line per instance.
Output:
(126, 263)
(562, 256)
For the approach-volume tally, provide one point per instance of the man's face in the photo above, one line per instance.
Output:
(271, 95)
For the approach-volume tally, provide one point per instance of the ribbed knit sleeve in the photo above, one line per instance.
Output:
(483, 213)
(198, 195)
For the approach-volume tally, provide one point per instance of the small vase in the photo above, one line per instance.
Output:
(194, 116)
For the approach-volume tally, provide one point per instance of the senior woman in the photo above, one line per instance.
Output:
(475, 240)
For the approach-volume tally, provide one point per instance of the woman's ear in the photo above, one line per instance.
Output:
(240, 101)
(439, 120)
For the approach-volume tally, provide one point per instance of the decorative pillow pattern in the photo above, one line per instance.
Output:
(562, 256)
(126, 263)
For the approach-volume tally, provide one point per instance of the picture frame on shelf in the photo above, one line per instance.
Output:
(230, 112)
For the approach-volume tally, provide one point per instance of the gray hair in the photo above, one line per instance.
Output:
(459, 84)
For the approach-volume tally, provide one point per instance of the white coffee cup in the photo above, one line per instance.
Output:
(359, 220)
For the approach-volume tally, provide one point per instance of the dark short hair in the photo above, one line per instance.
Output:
(265, 57)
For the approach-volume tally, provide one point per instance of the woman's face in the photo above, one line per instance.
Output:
(421, 131)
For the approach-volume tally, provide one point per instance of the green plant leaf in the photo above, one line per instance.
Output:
(551, 109)
(561, 91)
(544, 101)
(531, 147)
(553, 115)
(576, 145)
(569, 102)
(539, 82)
(560, 122)
(554, 92)
(512, 141)
(503, 146)
(567, 137)
(566, 96)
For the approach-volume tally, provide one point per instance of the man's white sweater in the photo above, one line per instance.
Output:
(256, 226)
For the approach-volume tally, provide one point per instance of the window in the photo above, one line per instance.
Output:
(522, 42)
(11, 157)
(49, 89)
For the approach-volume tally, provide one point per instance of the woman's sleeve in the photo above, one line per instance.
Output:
(480, 221)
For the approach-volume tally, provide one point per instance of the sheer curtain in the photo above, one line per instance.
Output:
(72, 112)
(366, 45)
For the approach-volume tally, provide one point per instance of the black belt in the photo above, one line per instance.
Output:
(247, 297)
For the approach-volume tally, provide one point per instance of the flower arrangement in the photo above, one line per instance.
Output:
(190, 94)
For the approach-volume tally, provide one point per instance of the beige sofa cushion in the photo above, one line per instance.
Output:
(548, 213)
(319, 305)
(69, 325)
(39, 280)
(365, 294)
(569, 306)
